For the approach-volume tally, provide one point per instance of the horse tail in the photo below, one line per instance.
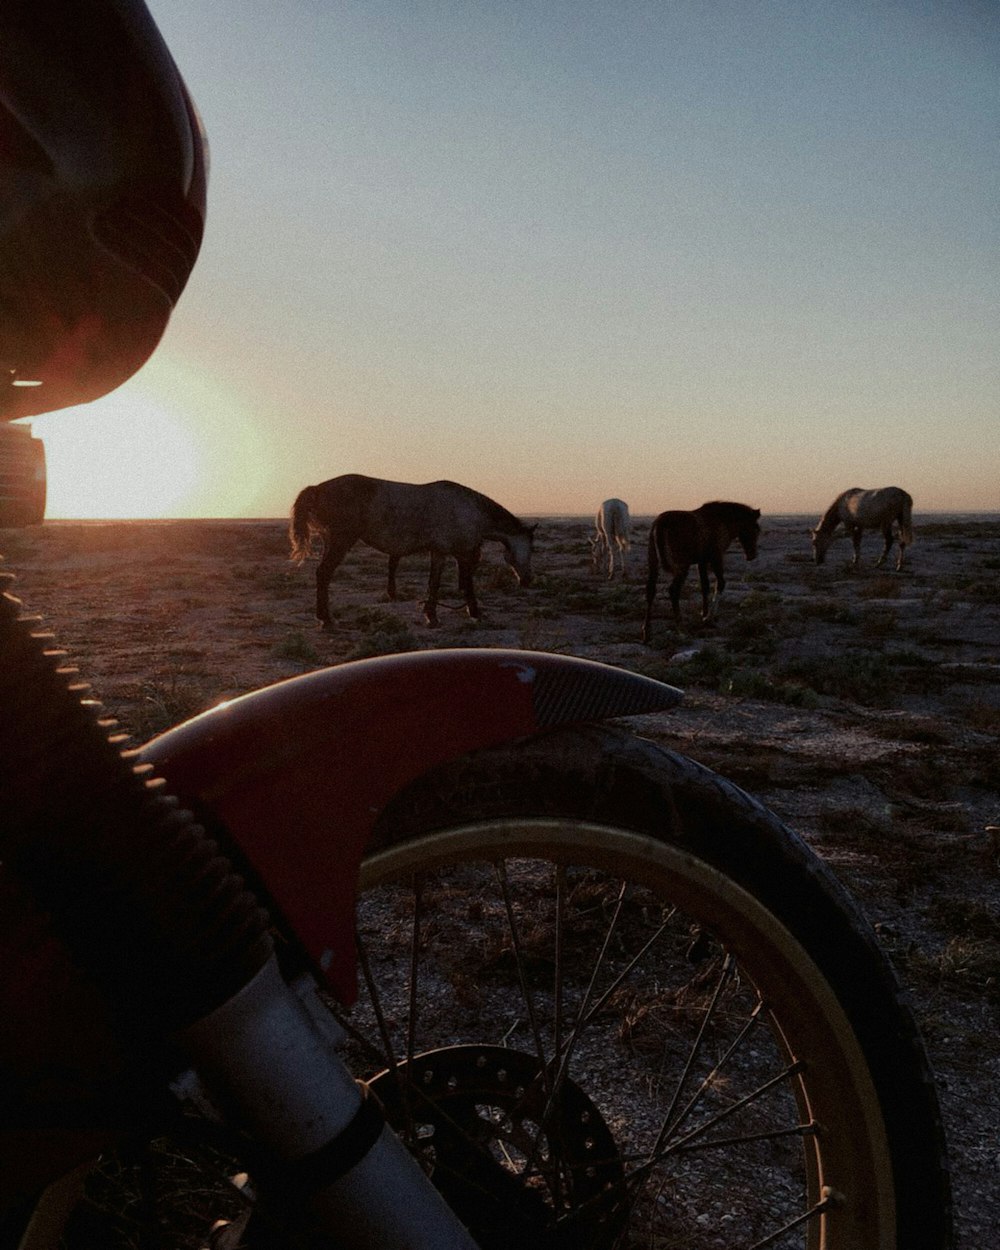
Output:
(302, 523)
(656, 552)
(906, 519)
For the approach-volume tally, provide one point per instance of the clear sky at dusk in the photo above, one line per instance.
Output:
(671, 250)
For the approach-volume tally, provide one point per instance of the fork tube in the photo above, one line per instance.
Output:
(267, 1060)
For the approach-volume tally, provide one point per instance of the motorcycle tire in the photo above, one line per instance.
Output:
(612, 1000)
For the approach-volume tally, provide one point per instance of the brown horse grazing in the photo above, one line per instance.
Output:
(679, 539)
(397, 518)
(861, 510)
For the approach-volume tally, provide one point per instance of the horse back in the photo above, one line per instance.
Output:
(440, 516)
(897, 498)
(675, 539)
(401, 518)
(874, 507)
(613, 519)
(342, 503)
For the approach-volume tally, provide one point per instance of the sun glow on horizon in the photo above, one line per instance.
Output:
(166, 444)
(127, 456)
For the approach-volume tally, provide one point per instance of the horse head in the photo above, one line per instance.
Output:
(820, 543)
(596, 549)
(748, 534)
(517, 553)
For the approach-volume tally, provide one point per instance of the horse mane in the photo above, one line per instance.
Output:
(831, 517)
(498, 515)
(501, 516)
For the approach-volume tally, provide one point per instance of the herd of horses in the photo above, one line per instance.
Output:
(449, 520)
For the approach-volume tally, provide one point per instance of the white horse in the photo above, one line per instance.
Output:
(861, 510)
(612, 530)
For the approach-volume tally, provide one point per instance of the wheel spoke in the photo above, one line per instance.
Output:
(554, 1087)
(814, 1212)
(589, 1012)
(418, 897)
(623, 976)
(746, 1139)
(664, 1150)
(388, 1056)
(533, 1152)
(501, 875)
(708, 1080)
(557, 979)
(709, 1014)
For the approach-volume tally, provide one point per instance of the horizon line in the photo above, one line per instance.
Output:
(586, 516)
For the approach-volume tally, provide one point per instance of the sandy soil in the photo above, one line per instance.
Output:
(862, 706)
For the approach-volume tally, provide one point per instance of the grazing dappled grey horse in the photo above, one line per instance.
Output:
(679, 539)
(859, 510)
(611, 531)
(398, 518)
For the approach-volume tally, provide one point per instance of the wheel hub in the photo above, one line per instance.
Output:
(520, 1163)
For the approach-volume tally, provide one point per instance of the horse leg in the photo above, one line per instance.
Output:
(887, 538)
(675, 594)
(391, 588)
(651, 580)
(902, 548)
(433, 586)
(856, 540)
(720, 585)
(333, 554)
(466, 586)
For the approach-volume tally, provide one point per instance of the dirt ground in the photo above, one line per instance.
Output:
(863, 706)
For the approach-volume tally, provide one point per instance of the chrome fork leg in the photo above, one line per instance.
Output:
(266, 1060)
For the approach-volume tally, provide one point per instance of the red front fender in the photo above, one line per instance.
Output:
(298, 772)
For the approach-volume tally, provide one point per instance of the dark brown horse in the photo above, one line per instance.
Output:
(679, 539)
(398, 518)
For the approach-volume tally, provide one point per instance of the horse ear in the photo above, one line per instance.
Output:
(756, 513)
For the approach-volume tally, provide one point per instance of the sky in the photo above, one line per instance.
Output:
(665, 250)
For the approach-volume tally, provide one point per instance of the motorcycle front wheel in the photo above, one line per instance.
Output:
(610, 1000)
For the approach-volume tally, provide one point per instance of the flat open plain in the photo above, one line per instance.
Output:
(862, 706)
